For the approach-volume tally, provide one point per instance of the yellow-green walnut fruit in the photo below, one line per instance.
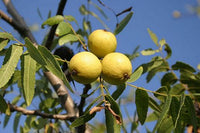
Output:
(85, 67)
(102, 42)
(116, 68)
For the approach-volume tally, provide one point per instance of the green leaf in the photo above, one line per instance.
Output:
(177, 113)
(92, 103)
(71, 18)
(168, 79)
(63, 28)
(163, 113)
(111, 125)
(153, 36)
(53, 65)
(99, 9)
(16, 122)
(3, 104)
(53, 20)
(123, 23)
(34, 53)
(198, 66)
(162, 68)
(162, 90)
(166, 125)
(141, 100)
(67, 38)
(162, 42)
(148, 52)
(152, 117)
(153, 104)
(191, 112)
(82, 119)
(6, 35)
(182, 67)
(115, 107)
(28, 77)
(119, 91)
(83, 10)
(136, 74)
(10, 62)
(168, 50)
(3, 44)
(177, 89)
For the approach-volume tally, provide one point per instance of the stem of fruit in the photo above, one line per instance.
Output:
(83, 45)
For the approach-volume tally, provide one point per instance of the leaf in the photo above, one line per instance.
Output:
(136, 74)
(63, 28)
(168, 79)
(67, 38)
(148, 52)
(28, 77)
(177, 89)
(153, 104)
(16, 122)
(3, 44)
(123, 23)
(141, 100)
(176, 117)
(162, 68)
(71, 18)
(162, 42)
(168, 50)
(191, 112)
(53, 20)
(3, 105)
(115, 107)
(92, 103)
(111, 125)
(162, 90)
(34, 53)
(6, 35)
(182, 66)
(53, 65)
(166, 125)
(198, 66)
(82, 120)
(119, 91)
(163, 113)
(99, 9)
(153, 36)
(152, 117)
(10, 62)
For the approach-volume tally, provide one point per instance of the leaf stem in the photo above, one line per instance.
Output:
(83, 44)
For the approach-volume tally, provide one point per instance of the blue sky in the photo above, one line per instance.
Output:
(183, 34)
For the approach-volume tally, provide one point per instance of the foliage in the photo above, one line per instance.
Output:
(173, 106)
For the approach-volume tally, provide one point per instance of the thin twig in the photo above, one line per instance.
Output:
(52, 31)
(38, 113)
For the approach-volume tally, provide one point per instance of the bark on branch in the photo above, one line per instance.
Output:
(38, 113)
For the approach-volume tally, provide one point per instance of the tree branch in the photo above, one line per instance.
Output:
(19, 24)
(38, 113)
(50, 38)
